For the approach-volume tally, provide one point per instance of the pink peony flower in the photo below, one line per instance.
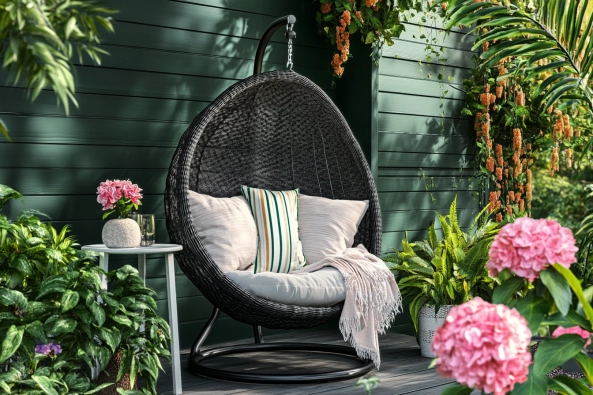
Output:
(484, 346)
(528, 245)
(575, 330)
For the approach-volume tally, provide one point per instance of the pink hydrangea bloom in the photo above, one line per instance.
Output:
(574, 330)
(131, 191)
(109, 192)
(484, 346)
(528, 245)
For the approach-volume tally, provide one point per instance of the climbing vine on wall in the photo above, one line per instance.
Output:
(377, 22)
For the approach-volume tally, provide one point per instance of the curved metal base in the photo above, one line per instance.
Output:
(196, 366)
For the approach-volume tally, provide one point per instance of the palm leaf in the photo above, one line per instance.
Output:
(559, 33)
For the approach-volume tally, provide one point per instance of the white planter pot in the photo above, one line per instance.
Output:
(428, 322)
(121, 233)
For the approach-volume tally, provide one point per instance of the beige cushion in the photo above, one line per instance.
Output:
(226, 228)
(326, 226)
(324, 287)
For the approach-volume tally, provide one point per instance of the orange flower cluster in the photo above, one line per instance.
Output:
(563, 132)
(568, 155)
(371, 3)
(359, 16)
(342, 42)
(554, 160)
(513, 184)
(325, 8)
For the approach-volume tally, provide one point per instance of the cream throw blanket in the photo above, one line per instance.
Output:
(372, 298)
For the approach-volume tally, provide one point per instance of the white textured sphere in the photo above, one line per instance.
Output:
(121, 233)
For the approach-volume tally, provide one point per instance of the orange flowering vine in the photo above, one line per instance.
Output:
(376, 21)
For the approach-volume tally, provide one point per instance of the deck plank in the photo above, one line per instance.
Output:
(403, 371)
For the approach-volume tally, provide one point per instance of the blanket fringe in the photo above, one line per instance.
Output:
(372, 299)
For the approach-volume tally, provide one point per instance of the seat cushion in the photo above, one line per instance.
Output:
(326, 226)
(226, 228)
(275, 212)
(322, 288)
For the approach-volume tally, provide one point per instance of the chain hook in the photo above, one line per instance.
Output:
(290, 34)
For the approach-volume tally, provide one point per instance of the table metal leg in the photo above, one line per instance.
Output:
(142, 266)
(173, 324)
(142, 274)
(104, 264)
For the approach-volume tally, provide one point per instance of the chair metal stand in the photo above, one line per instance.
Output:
(198, 356)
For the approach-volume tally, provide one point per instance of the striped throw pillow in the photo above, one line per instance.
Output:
(276, 219)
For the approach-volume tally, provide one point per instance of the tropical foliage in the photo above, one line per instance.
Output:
(552, 39)
(56, 322)
(448, 271)
(530, 92)
(39, 37)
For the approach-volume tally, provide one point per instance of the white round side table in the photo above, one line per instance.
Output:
(168, 250)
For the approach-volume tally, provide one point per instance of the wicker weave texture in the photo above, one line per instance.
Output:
(275, 131)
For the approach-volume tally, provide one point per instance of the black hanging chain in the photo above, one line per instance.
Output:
(290, 35)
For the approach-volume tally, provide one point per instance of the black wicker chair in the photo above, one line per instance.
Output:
(277, 131)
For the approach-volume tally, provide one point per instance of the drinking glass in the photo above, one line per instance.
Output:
(146, 223)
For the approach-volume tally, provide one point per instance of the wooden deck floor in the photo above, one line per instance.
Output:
(403, 371)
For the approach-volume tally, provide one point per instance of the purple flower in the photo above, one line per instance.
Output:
(55, 348)
(42, 349)
(48, 349)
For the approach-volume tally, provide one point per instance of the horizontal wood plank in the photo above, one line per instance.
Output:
(417, 104)
(397, 221)
(413, 69)
(425, 143)
(17, 155)
(408, 159)
(419, 124)
(48, 181)
(426, 183)
(440, 200)
(15, 101)
(416, 51)
(428, 87)
(224, 21)
(93, 131)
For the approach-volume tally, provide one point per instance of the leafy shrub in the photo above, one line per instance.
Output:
(559, 198)
(50, 294)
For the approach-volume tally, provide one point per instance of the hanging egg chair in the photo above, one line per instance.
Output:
(276, 131)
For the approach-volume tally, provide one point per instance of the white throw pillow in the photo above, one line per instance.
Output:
(326, 226)
(321, 288)
(226, 228)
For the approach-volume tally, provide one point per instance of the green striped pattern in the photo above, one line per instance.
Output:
(275, 212)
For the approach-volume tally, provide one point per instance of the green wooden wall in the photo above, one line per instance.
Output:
(168, 60)
(424, 150)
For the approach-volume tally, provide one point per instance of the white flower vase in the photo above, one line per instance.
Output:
(121, 233)
(428, 322)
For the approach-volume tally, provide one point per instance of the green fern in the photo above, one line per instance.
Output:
(451, 270)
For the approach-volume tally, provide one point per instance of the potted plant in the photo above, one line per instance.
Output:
(119, 197)
(57, 325)
(434, 274)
